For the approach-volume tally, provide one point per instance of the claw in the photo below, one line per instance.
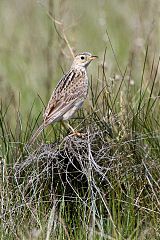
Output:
(78, 134)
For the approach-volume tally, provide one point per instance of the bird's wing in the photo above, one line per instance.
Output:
(69, 90)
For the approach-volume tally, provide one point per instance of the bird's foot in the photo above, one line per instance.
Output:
(78, 134)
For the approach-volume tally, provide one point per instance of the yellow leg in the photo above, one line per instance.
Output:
(74, 132)
(69, 126)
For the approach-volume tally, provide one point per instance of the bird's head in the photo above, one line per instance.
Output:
(83, 59)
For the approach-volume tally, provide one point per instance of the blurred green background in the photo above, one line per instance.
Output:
(34, 54)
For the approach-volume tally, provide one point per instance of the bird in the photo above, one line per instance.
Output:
(69, 94)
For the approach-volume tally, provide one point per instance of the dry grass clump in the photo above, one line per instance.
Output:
(91, 167)
(102, 179)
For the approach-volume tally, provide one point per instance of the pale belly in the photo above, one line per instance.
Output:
(72, 111)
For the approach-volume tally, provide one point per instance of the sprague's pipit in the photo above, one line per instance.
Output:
(69, 94)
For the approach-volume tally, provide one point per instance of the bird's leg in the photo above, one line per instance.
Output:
(74, 132)
(68, 126)
(72, 129)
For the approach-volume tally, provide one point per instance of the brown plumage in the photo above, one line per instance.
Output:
(69, 94)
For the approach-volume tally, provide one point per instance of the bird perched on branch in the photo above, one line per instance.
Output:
(69, 94)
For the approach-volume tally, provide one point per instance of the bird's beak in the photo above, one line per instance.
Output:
(93, 57)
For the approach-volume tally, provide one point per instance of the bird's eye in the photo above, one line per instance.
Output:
(82, 58)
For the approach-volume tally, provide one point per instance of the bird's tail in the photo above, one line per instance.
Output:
(36, 134)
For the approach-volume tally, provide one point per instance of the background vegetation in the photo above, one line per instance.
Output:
(106, 184)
